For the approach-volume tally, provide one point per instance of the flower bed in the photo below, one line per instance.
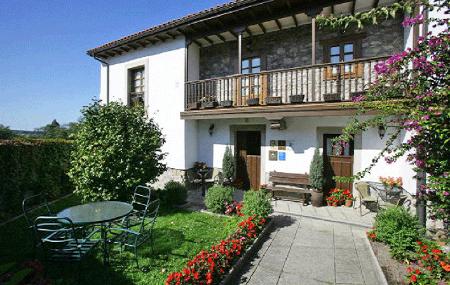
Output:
(210, 266)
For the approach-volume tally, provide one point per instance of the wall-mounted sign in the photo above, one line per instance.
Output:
(273, 144)
(281, 156)
(282, 145)
(273, 155)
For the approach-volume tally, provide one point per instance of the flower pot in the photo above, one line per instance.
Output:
(226, 103)
(253, 101)
(193, 106)
(316, 198)
(348, 203)
(296, 99)
(209, 105)
(273, 100)
(331, 97)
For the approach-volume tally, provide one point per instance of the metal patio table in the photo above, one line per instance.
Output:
(100, 213)
(386, 195)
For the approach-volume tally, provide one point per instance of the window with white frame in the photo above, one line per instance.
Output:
(136, 82)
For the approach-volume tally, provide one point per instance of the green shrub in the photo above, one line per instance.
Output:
(228, 164)
(316, 173)
(217, 197)
(399, 229)
(30, 167)
(175, 193)
(257, 203)
(115, 149)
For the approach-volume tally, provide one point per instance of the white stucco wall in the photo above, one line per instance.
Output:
(303, 135)
(164, 95)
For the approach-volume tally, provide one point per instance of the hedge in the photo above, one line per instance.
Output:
(29, 167)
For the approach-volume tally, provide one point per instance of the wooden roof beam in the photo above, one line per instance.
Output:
(233, 34)
(263, 29)
(278, 24)
(375, 3)
(160, 38)
(142, 44)
(197, 43)
(221, 37)
(171, 35)
(208, 40)
(353, 7)
(125, 49)
(332, 9)
(294, 18)
(247, 30)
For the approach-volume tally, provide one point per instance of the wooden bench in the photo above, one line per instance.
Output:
(290, 186)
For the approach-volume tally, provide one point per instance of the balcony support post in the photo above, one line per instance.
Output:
(239, 31)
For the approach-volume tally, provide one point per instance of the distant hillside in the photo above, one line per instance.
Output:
(28, 133)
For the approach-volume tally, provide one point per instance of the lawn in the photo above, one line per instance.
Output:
(179, 235)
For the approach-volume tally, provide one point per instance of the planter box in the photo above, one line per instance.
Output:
(296, 99)
(253, 101)
(273, 100)
(193, 106)
(233, 275)
(209, 105)
(226, 103)
(332, 97)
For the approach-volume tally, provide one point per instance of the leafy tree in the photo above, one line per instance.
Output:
(414, 100)
(316, 172)
(116, 148)
(6, 133)
(228, 164)
(53, 130)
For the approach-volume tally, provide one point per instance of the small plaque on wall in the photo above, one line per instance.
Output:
(273, 144)
(281, 156)
(281, 145)
(273, 155)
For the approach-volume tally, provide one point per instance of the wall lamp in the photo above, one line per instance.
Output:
(381, 131)
(211, 129)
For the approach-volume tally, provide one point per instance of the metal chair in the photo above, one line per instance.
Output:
(133, 235)
(32, 203)
(140, 200)
(58, 239)
(364, 195)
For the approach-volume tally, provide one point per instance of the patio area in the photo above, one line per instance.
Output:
(303, 250)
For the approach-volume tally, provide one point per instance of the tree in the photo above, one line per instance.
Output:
(316, 175)
(116, 149)
(414, 100)
(228, 164)
(53, 131)
(6, 133)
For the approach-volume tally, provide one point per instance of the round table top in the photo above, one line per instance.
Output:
(97, 212)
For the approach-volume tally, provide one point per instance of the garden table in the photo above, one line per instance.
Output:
(100, 213)
(387, 195)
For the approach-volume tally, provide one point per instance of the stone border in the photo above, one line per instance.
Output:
(378, 267)
(236, 269)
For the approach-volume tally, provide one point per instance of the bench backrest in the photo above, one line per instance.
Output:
(288, 178)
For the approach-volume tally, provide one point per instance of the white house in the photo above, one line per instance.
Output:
(198, 75)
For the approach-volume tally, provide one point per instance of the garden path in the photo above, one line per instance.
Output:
(302, 250)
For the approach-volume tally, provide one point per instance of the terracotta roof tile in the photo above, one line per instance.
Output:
(186, 20)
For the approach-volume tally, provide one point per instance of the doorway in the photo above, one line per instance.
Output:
(248, 159)
(338, 161)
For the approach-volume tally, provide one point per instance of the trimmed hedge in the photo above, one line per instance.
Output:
(29, 167)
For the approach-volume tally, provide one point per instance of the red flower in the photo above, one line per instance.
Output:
(413, 278)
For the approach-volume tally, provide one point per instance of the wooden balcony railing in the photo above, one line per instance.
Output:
(315, 83)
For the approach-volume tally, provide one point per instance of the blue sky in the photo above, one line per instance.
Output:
(45, 73)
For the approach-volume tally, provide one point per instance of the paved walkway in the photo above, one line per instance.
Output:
(334, 214)
(307, 251)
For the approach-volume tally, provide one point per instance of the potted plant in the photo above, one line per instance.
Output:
(209, 102)
(348, 197)
(228, 166)
(316, 179)
(226, 103)
(193, 106)
(331, 97)
(253, 101)
(297, 99)
(273, 100)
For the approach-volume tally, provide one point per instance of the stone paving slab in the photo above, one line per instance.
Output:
(308, 251)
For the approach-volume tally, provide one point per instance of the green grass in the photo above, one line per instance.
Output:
(179, 235)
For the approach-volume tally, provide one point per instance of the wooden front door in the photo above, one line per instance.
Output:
(338, 161)
(248, 156)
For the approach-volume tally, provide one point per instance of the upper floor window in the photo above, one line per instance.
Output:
(251, 65)
(339, 51)
(136, 85)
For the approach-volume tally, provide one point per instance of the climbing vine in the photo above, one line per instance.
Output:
(361, 19)
(411, 99)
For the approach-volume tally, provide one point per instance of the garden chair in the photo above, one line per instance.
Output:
(364, 195)
(134, 235)
(32, 203)
(140, 200)
(59, 241)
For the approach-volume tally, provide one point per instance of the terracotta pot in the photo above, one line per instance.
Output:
(348, 203)
(317, 198)
(329, 203)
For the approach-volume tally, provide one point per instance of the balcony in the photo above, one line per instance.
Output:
(308, 86)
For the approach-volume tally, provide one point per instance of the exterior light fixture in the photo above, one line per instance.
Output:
(211, 129)
(381, 131)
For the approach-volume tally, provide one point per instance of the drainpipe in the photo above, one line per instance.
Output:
(107, 77)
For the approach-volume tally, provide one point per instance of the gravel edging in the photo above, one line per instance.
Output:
(234, 273)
